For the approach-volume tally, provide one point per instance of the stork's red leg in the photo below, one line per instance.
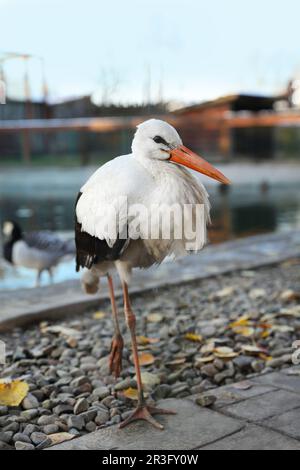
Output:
(143, 411)
(115, 358)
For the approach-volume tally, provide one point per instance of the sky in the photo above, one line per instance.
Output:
(132, 50)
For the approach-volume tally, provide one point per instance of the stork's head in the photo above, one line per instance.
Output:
(158, 140)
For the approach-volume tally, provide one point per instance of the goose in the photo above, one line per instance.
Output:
(39, 251)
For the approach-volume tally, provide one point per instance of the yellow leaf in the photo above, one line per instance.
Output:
(145, 359)
(99, 315)
(12, 393)
(265, 334)
(143, 340)
(264, 357)
(154, 318)
(225, 353)
(193, 337)
(131, 393)
(244, 331)
(242, 321)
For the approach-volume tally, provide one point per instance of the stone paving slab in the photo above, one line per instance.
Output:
(190, 428)
(253, 437)
(287, 423)
(277, 426)
(50, 302)
(281, 380)
(229, 395)
(264, 406)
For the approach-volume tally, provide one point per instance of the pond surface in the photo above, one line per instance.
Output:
(40, 202)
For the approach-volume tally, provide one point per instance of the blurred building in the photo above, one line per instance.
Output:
(210, 132)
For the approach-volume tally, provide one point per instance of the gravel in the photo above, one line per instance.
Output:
(70, 390)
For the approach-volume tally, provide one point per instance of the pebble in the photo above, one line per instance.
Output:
(76, 422)
(21, 437)
(30, 402)
(206, 400)
(50, 429)
(70, 389)
(280, 361)
(19, 445)
(5, 436)
(162, 391)
(81, 406)
(101, 418)
(101, 392)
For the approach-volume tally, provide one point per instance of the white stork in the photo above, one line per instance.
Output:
(153, 176)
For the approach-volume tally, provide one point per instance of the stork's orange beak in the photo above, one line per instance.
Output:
(186, 157)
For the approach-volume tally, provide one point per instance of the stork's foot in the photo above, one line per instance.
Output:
(115, 358)
(144, 412)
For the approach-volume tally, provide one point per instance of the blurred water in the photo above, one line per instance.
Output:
(46, 201)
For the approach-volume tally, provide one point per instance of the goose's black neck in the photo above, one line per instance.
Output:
(15, 236)
(16, 233)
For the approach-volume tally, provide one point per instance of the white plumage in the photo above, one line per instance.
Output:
(153, 183)
(121, 216)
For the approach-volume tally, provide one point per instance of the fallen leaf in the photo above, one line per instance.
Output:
(99, 315)
(225, 352)
(257, 293)
(283, 328)
(207, 348)
(204, 360)
(193, 337)
(242, 321)
(290, 312)
(12, 393)
(176, 362)
(244, 331)
(265, 334)
(243, 385)
(226, 292)
(60, 437)
(154, 317)
(62, 330)
(252, 349)
(265, 357)
(143, 340)
(131, 393)
(72, 342)
(146, 359)
(289, 295)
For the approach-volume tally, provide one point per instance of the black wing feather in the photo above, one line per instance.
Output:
(91, 250)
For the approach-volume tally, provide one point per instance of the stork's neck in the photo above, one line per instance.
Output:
(161, 170)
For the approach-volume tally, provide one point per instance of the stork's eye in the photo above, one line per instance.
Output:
(159, 140)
